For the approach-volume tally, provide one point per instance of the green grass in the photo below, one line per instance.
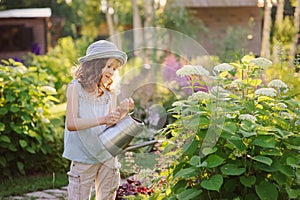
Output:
(22, 185)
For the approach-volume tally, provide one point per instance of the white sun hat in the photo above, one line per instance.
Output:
(103, 49)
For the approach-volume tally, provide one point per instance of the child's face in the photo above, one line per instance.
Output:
(108, 71)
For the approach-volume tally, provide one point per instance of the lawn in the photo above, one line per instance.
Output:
(25, 184)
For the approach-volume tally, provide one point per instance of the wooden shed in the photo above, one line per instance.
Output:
(218, 15)
(22, 31)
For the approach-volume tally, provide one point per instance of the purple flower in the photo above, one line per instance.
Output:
(169, 75)
(36, 48)
(19, 60)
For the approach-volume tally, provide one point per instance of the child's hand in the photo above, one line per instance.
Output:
(126, 105)
(112, 118)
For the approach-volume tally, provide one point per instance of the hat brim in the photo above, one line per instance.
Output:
(121, 56)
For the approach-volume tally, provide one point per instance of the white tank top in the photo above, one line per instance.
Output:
(83, 145)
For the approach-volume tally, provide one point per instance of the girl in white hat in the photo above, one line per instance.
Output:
(90, 109)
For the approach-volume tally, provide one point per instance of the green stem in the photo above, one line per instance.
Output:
(209, 194)
(193, 84)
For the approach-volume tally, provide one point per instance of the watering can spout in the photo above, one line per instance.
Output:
(116, 138)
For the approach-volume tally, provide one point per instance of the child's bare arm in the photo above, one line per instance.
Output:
(74, 123)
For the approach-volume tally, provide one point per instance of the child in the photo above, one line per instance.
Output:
(91, 108)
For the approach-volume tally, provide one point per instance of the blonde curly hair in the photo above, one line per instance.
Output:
(89, 74)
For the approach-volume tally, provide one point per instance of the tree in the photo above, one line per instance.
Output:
(265, 52)
(296, 24)
(137, 26)
(278, 21)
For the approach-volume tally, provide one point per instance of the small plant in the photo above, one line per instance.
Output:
(133, 189)
(239, 140)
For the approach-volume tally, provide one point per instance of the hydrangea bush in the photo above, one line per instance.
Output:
(27, 140)
(239, 140)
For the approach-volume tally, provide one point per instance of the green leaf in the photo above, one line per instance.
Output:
(229, 127)
(250, 106)
(266, 191)
(3, 111)
(21, 167)
(246, 133)
(23, 143)
(186, 173)
(4, 138)
(248, 181)
(280, 178)
(195, 160)
(52, 98)
(214, 183)
(223, 74)
(2, 126)
(232, 169)
(286, 170)
(264, 98)
(14, 108)
(238, 143)
(181, 184)
(206, 151)
(247, 125)
(266, 141)
(293, 161)
(263, 159)
(190, 147)
(293, 193)
(271, 152)
(12, 147)
(10, 98)
(3, 161)
(189, 194)
(276, 165)
(214, 161)
(30, 150)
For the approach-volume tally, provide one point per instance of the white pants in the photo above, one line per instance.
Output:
(82, 177)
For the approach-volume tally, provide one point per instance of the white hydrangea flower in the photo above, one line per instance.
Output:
(281, 105)
(223, 67)
(200, 95)
(230, 116)
(178, 104)
(277, 84)
(261, 62)
(188, 70)
(286, 115)
(40, 110)
(270, 92)
(201, 71)
(237, 82)
(45, 120)
(247, 117)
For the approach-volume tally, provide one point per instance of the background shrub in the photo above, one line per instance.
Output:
(26, 134)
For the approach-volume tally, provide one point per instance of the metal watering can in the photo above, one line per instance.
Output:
(116, 139)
